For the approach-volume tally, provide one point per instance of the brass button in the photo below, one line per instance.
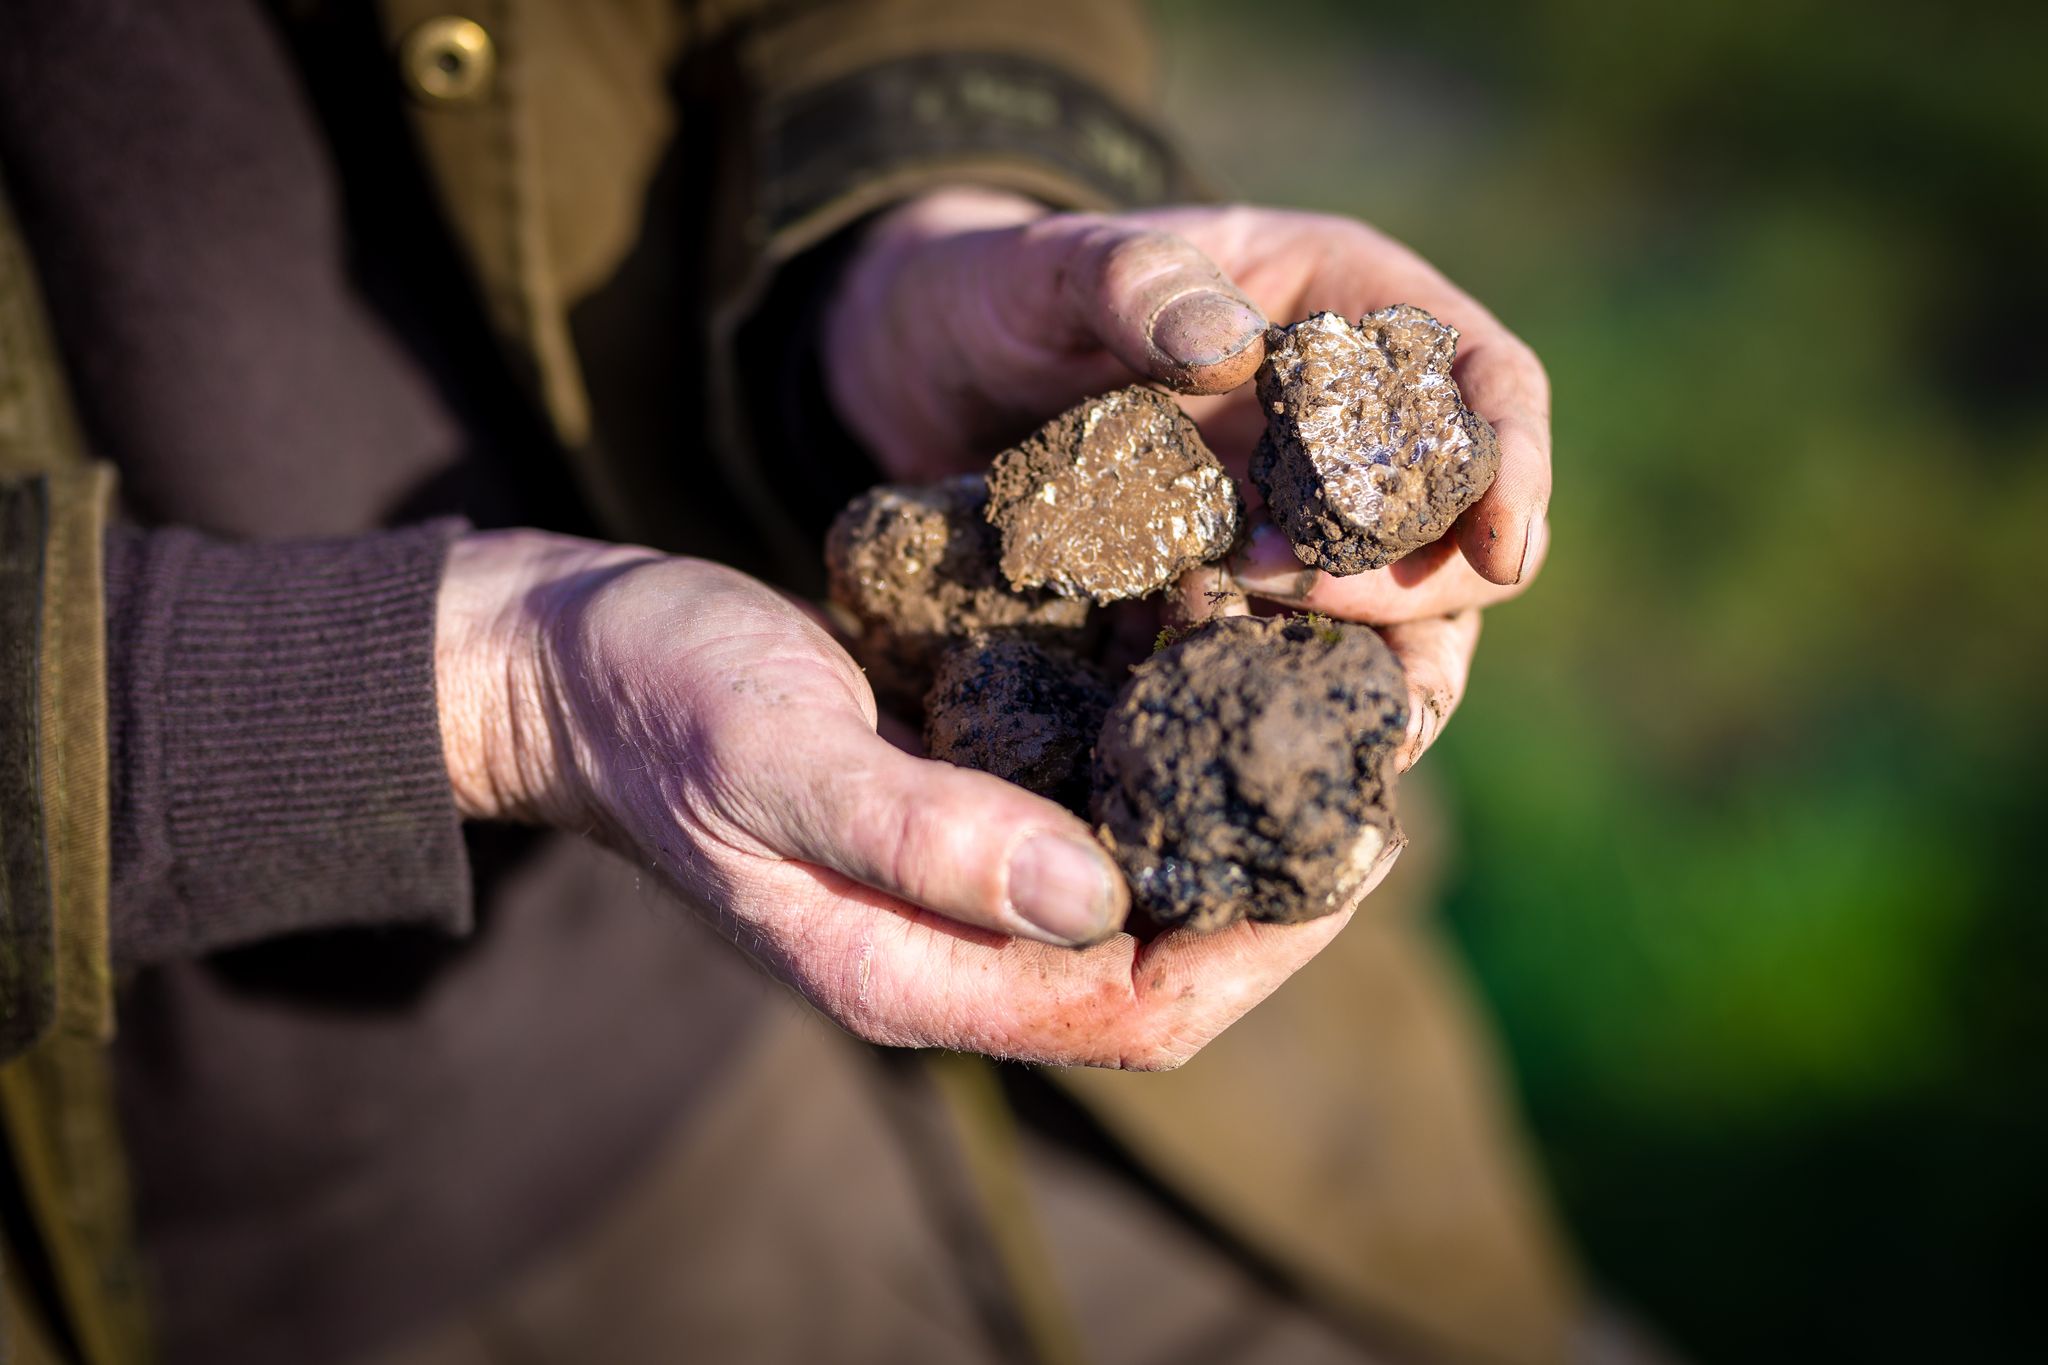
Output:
(448, 60)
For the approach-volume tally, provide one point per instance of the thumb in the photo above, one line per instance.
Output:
(1154, 301)
(960, 843)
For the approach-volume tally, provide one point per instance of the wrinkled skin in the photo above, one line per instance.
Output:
(710, 729)
(1034, 309)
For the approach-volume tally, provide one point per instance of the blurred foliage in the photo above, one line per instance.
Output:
(1750, 785)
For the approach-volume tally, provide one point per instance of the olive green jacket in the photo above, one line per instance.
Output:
(560, 142)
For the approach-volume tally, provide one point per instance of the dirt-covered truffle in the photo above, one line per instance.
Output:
(916, 567)
(1243, 772)
(1112, 499)
(1369, 451)
(1027, 714)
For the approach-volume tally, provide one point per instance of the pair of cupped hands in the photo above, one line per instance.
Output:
(709, 727)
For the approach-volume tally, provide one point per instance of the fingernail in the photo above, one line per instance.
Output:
(1205, 328)
(1534, 537)
(1268, 566)
(1062, 890)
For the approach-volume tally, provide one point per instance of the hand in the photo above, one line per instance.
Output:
(706, 727)
(969, 316)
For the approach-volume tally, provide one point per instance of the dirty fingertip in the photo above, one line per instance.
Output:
(1211, 341)
(1494, 546)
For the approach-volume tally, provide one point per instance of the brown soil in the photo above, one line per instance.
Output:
(1112, 499)
(1029, 715)
(1243, 772)
(916, 567)
(1369, 451)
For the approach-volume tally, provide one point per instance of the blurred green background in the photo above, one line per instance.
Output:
(1749, 787)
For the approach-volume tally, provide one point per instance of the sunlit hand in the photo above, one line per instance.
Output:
(970, 316)
(709, 729)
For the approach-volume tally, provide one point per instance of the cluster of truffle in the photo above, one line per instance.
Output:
(1243, 769)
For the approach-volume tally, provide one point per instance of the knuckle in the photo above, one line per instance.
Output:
(903, 846)
(1137, 259)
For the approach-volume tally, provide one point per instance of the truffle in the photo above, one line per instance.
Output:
(1243, 771)
(1029, 715)
(916, 567)
(1369, 451)
(1112, 499)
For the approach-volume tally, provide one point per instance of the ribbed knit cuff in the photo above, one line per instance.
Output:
(274, 741)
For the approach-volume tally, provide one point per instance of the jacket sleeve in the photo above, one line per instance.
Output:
(845, 107)
(833, 111)
(54, 972)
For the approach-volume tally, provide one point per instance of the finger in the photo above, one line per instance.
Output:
(1504, 382)
(963, 844)
(1153, 300)
(1203, 594)
(1436, 580)
(907, 979)
(1437, 655)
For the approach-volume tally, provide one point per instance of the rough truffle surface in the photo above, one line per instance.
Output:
(1369, 451)
(1029, 715)
(1243, 772)
(917, 569)
(1112, 499)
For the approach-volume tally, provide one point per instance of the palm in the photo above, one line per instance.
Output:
(774, 774)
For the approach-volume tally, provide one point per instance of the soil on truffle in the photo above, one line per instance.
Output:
(1028, 714)
(916, 567)
(1244, 770)
(1369, 451)
(1112, 499)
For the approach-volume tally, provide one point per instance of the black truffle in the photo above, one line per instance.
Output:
(1244, 771)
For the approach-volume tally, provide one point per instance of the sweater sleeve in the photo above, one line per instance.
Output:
(273, 739)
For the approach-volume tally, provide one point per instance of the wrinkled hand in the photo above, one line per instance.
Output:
(971, 316)
(705, 726)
